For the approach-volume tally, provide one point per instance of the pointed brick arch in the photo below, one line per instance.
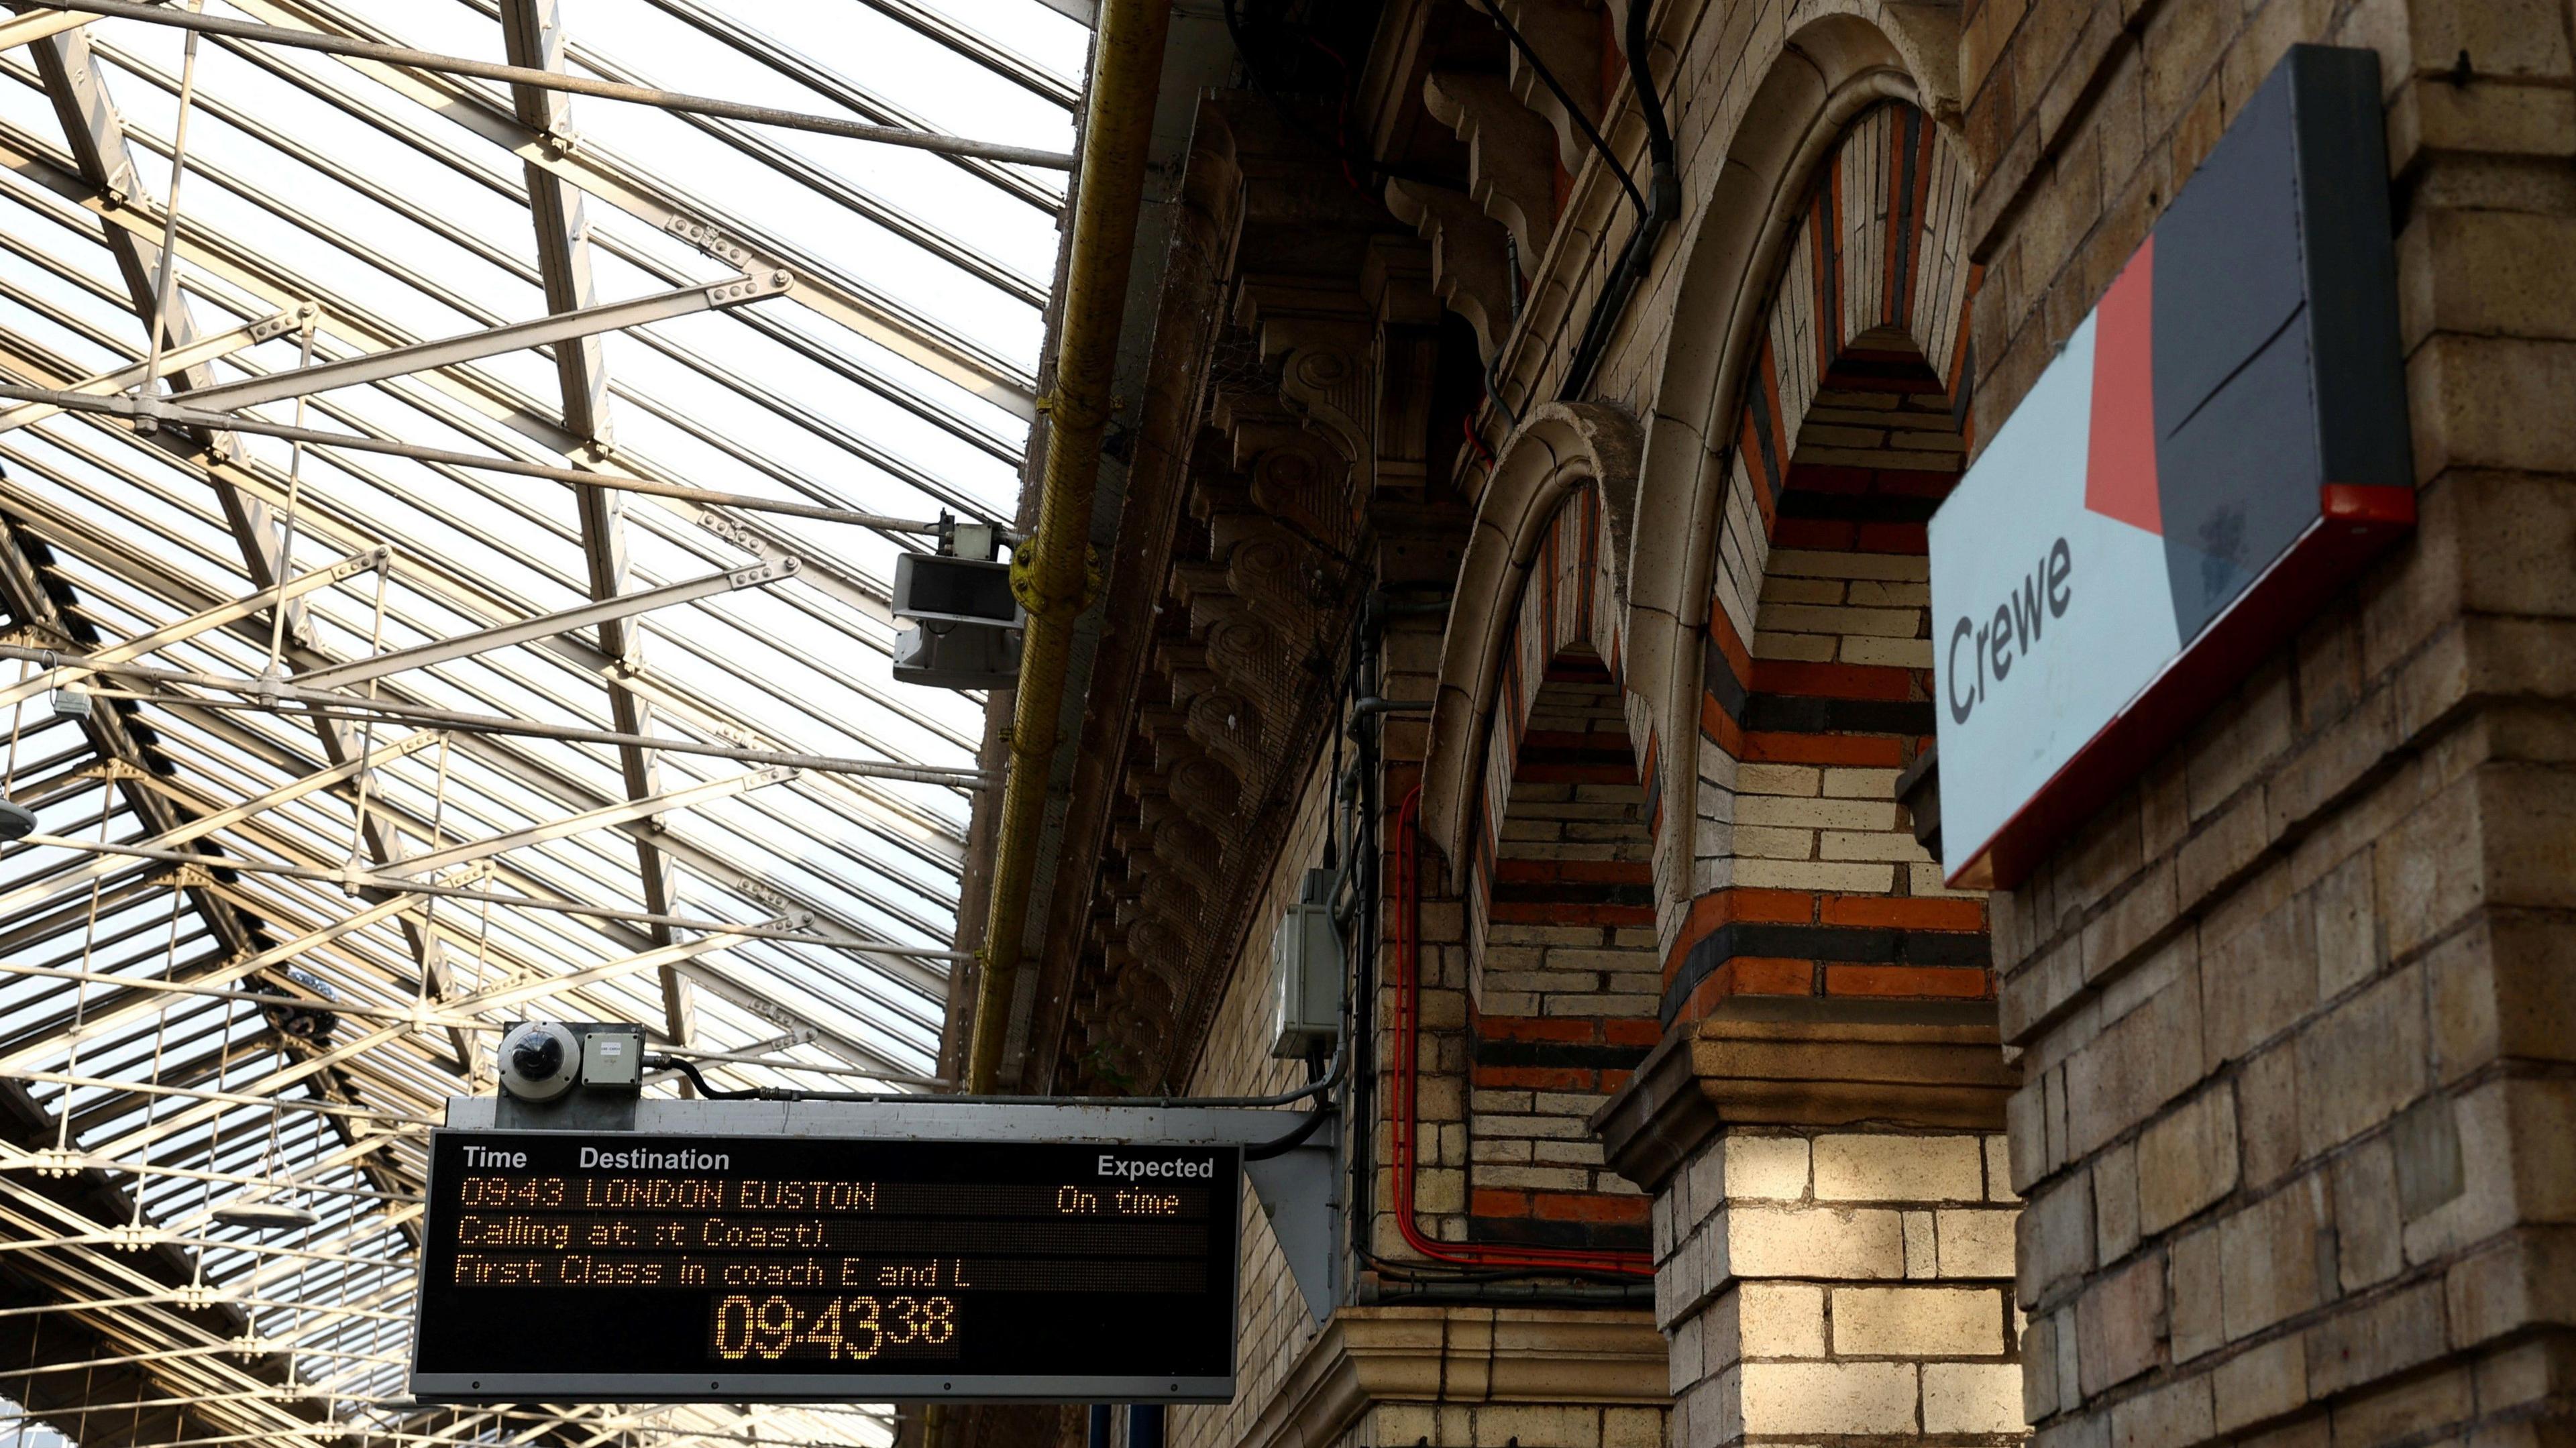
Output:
(1851, 425)
(1559, 887)
(1569, 602)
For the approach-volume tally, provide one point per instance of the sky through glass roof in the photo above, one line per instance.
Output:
(261, 934)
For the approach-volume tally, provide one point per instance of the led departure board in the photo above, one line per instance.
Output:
(573, 1266)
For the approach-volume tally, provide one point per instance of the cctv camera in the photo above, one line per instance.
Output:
(539, 1061)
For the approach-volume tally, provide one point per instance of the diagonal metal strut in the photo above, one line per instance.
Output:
(470, 346)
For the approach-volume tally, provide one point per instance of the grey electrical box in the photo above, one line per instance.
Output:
(612, 1058)
(1306, 971)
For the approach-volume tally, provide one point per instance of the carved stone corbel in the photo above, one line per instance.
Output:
(1468, 269)
(1242, 646)
(1567, 33)
(1230, 725)
(1511, 170)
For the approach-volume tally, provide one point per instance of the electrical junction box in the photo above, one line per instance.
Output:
(612, 1058)
(1306, 970)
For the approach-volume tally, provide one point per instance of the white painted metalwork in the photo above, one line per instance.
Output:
(461, 640)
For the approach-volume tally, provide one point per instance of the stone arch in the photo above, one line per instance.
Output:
(1805, 879)
(1557, 512)
(1559, 715)
(1536, 790)
(1827, 73)
(1851, 296)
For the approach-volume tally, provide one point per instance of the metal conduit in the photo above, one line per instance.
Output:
(1051, 571)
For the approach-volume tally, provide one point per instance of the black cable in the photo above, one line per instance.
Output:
(1291, 1140)
(1341, 1063)
(1641, 75)
(1667, 186)
(1548, 78)
(1261, 1151)
(699, 1080)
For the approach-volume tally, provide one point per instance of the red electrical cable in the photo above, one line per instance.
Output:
(1408, 1006)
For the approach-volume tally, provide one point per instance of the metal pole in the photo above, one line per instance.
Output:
(160, 318)
(421, 887)
(577, 85)
(509, 635)
(334, 706)
(1050, 572)
(577, 477)
(553, 329)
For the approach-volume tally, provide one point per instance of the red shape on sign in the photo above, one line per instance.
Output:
(2120, 462)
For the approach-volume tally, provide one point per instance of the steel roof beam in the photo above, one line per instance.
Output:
(47, 680)
(36, 25)
(106, 161)
(203, 350)
(655, 202)
(587, 323)
(613, 609)
(916, 138)
(605, 817)
(532, 32)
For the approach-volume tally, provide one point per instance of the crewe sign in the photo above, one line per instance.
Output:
(2218, 446)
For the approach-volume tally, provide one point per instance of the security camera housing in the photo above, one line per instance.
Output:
(539, 1060)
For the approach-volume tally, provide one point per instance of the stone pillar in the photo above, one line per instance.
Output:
(1833, 1229)
(1851, 1285)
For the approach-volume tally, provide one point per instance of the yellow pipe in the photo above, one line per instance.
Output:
(1050, 572)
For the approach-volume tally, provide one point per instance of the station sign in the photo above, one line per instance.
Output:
(2218, 446)
(624, 1266)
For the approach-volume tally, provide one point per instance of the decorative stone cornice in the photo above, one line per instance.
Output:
(1797, 1061)
(1461, 1355)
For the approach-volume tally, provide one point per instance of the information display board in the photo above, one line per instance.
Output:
(575, 1266)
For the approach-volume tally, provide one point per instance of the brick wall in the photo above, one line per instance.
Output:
(1564, 985)
(2295, 1138)
(1848, 1284)
(1810, 880)
(1273, 1324)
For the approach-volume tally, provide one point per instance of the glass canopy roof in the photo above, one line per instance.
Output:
(284, 890)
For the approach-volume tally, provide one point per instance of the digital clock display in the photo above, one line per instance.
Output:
(565, 1266)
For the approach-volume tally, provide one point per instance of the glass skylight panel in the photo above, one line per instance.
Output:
(315, 180)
